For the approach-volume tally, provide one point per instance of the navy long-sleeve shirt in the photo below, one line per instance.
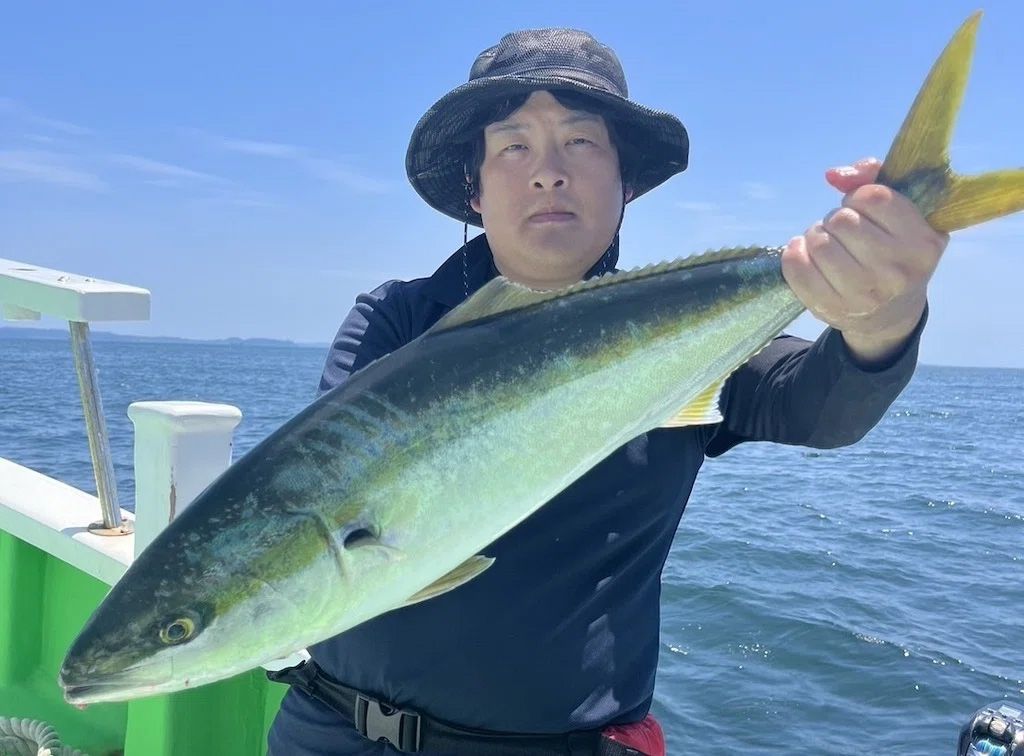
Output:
(562, 631)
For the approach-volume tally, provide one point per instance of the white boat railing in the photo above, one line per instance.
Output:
(179, 447)
(26, 293)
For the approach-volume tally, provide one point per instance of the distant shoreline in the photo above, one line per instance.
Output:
(13, 333)
(9, 333)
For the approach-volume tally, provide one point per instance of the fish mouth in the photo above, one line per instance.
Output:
(83, 688)
(84, 694)
(103, 691)
(111, 690)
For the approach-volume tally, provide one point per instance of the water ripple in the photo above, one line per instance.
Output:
(824, 598)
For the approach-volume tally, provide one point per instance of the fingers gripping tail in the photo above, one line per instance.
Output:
(918, 161)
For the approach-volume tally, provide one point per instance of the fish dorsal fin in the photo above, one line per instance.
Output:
(502, 295)
(703, 410)
(497, 295)
(461, 574)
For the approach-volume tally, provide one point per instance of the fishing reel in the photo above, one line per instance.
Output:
(994, 730)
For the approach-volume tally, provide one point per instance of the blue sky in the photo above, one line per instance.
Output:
(244, 161)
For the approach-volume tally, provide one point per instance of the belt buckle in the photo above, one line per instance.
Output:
(376, 721)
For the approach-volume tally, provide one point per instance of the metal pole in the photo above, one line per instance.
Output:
(96, 428)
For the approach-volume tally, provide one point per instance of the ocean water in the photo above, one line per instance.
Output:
(856, 601)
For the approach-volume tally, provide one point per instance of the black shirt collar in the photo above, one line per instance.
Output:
(449, 283)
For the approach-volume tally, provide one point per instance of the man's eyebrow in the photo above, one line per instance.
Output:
(503, 126)
(579, 116)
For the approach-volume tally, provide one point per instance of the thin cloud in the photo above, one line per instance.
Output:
(242, 199)
(63, 126)
(761, 192)
(354, 274)
(262, 149)
(336, 173)
(714, 225)
(168, 173)
(361, 276)
(324, 169)
(31, 166)
(214, 190)
(698, 207)
(964, 147)
(19, 110)
(1001, 232)
(710, 226)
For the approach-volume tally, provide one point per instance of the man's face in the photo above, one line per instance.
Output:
(550, 192)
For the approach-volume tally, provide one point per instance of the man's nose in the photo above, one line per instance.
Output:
(550, 172)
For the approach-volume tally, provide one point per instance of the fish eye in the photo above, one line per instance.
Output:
(178, 631)
(363, 536)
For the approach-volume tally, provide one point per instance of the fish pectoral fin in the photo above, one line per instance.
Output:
(703, 410)
(461, 574)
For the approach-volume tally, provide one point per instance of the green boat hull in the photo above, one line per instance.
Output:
(43, 604)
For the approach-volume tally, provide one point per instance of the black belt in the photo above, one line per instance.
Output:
(412, 732)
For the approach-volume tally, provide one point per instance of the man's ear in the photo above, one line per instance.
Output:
(474, 202)
(627, 193)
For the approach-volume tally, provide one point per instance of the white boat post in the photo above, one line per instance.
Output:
(96, 430)
(180, 448)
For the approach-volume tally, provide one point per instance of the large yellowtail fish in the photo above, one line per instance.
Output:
(386, 490)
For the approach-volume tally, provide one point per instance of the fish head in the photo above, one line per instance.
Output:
(191, 611)
(140, 641)
(219, 594)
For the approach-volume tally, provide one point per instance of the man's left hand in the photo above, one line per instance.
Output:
(864, 269)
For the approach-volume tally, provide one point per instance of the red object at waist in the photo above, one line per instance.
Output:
(645, 736)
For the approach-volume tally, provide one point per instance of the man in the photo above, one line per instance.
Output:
(557, 642)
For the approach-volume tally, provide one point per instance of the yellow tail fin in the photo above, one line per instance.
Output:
(918, 161)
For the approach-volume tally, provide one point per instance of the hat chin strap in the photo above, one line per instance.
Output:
(465, 231)
(605, 264)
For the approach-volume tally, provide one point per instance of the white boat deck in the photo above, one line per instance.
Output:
(55, 517)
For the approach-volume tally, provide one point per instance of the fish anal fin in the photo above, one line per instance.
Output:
(703, 410)
(460, 575)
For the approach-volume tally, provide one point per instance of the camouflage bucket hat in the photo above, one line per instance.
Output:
(522, 62)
